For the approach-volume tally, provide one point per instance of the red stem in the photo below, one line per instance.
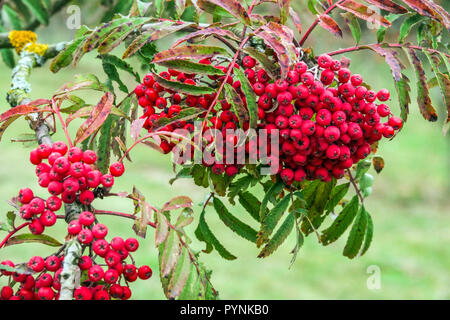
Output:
(316, 22)
(13, 233)
(63, 124)
(121, 214)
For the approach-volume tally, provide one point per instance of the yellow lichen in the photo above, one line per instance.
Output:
(21, 40)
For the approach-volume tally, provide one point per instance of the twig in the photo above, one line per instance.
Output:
(352, 180)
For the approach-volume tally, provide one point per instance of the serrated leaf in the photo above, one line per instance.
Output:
(85, 112)
(219, 183)
(250, 97)
(329, 24)
(162, 228)
(122, 65)
(36, 238)
(120, 33)
(191, 67)
(23, 110)
(388, 5)
(180, 275)
(209, 238)
(381, 33)
(356, 236)
(425, 8)
(341, 223)
(170, 255)
(444, 84)
(403, 89)
(189, 52)
(207, 32)
(274, 190)
(250, 203)
(368, 233)
(182, 87)
(279, 237)
(104, 146)
(97, 118)
(423, 95)
(353, 24)
(233, 7)
(184, 115)
(390, 58)
(176, 203)
(407, 26)
(238, 104)
(271, 220)
(241, 229)
(363, 12)
(336, 196)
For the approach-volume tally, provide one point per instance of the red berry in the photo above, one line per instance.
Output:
(86, 218)
(145, 272)
(25, 195)
(100, 231)
(89, 157)
(36, 263)
(85, 263)
(48, 218)
(82, 293)
(74, 227)
(85, 236)
(131, 244)
(59, 147)
(100, 247)
(86, 197)
(117, 169)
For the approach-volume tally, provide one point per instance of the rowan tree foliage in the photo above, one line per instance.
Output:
(236, 77)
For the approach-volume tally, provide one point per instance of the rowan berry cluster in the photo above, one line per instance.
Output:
(70, 176)
(326, 116)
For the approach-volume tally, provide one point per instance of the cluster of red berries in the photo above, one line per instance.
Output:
(69, 175)
(327, 118)
(99, 284)
(326, 124)
(155, 100)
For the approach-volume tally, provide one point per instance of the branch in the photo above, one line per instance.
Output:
(391, 45)
(352, 180)
(316, 22)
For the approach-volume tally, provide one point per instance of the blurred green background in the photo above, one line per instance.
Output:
(410, 204)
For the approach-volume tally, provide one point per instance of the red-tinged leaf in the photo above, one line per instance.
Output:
(391, 59)
(363, 12)
(233, 7)
(279, 38)
(378, 163)
(162, 228)
(425, 8)
(423, 95)
(403, 89)
(6, 124)
(136, 128)
(177, 203)
(180, 87)
(96, 119)
(206, 33)
(329, 24)
(87, 111)
(444, 15)
(29, 238)
(22, 110)
(189, 52)
(296, 19)
(388, 5)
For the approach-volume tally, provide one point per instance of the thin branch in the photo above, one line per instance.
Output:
(352, 180)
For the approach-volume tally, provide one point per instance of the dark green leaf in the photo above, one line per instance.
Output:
(250, 203)
(274, 190)
(279, 236)
(356, 236)
(270, 221)
(182, 87)
(29, 238)
(191, 67)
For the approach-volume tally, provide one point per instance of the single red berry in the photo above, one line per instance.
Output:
(74, 227)
(117, 243)
(25, 195)
(145, 272)
(48, 218)
(59, 147)
(36, 263)
(100, 247)
(86, 197)
(85, 263)
(99, 231)
(86, 218)
(89, 157)
(6, 293)
(85, 236)
(395, 122)
(82, 293)
(117, 169)
(131, 244)
(111, 276)
(383, 95)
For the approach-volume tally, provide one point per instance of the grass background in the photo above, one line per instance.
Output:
(410, 207)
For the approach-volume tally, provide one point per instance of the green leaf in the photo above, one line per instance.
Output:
(219, 183)
(238, 104)
(113, 75)
(341, 223)
(184, 115)
(271, 67)
(298, 244)
(279, 236)
(180, 275)
(274, 190)
(242, 229)
(381, 33)
(209, 238)
(183, 173)
(407, 26)
(191, 290)
(356, 236)
(361, 168)
(191, 67)
(120, 34)
(353, 24)
(366, 181)
(337, 194)
(182, 87)
(270, 221)
(250, 97)
(38, 10)
(162, 228)
(233, 7)
(122, 65)
(104, 145)
(170, 255)
(65, 57)
(30, 238)
(238, 186)
(189, 52)
(250, 203)
(200, 175)
(369, 233)
(403, 89)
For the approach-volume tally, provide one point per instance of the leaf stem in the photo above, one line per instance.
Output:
(352, 180)
(316, 22)
(13, 232)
